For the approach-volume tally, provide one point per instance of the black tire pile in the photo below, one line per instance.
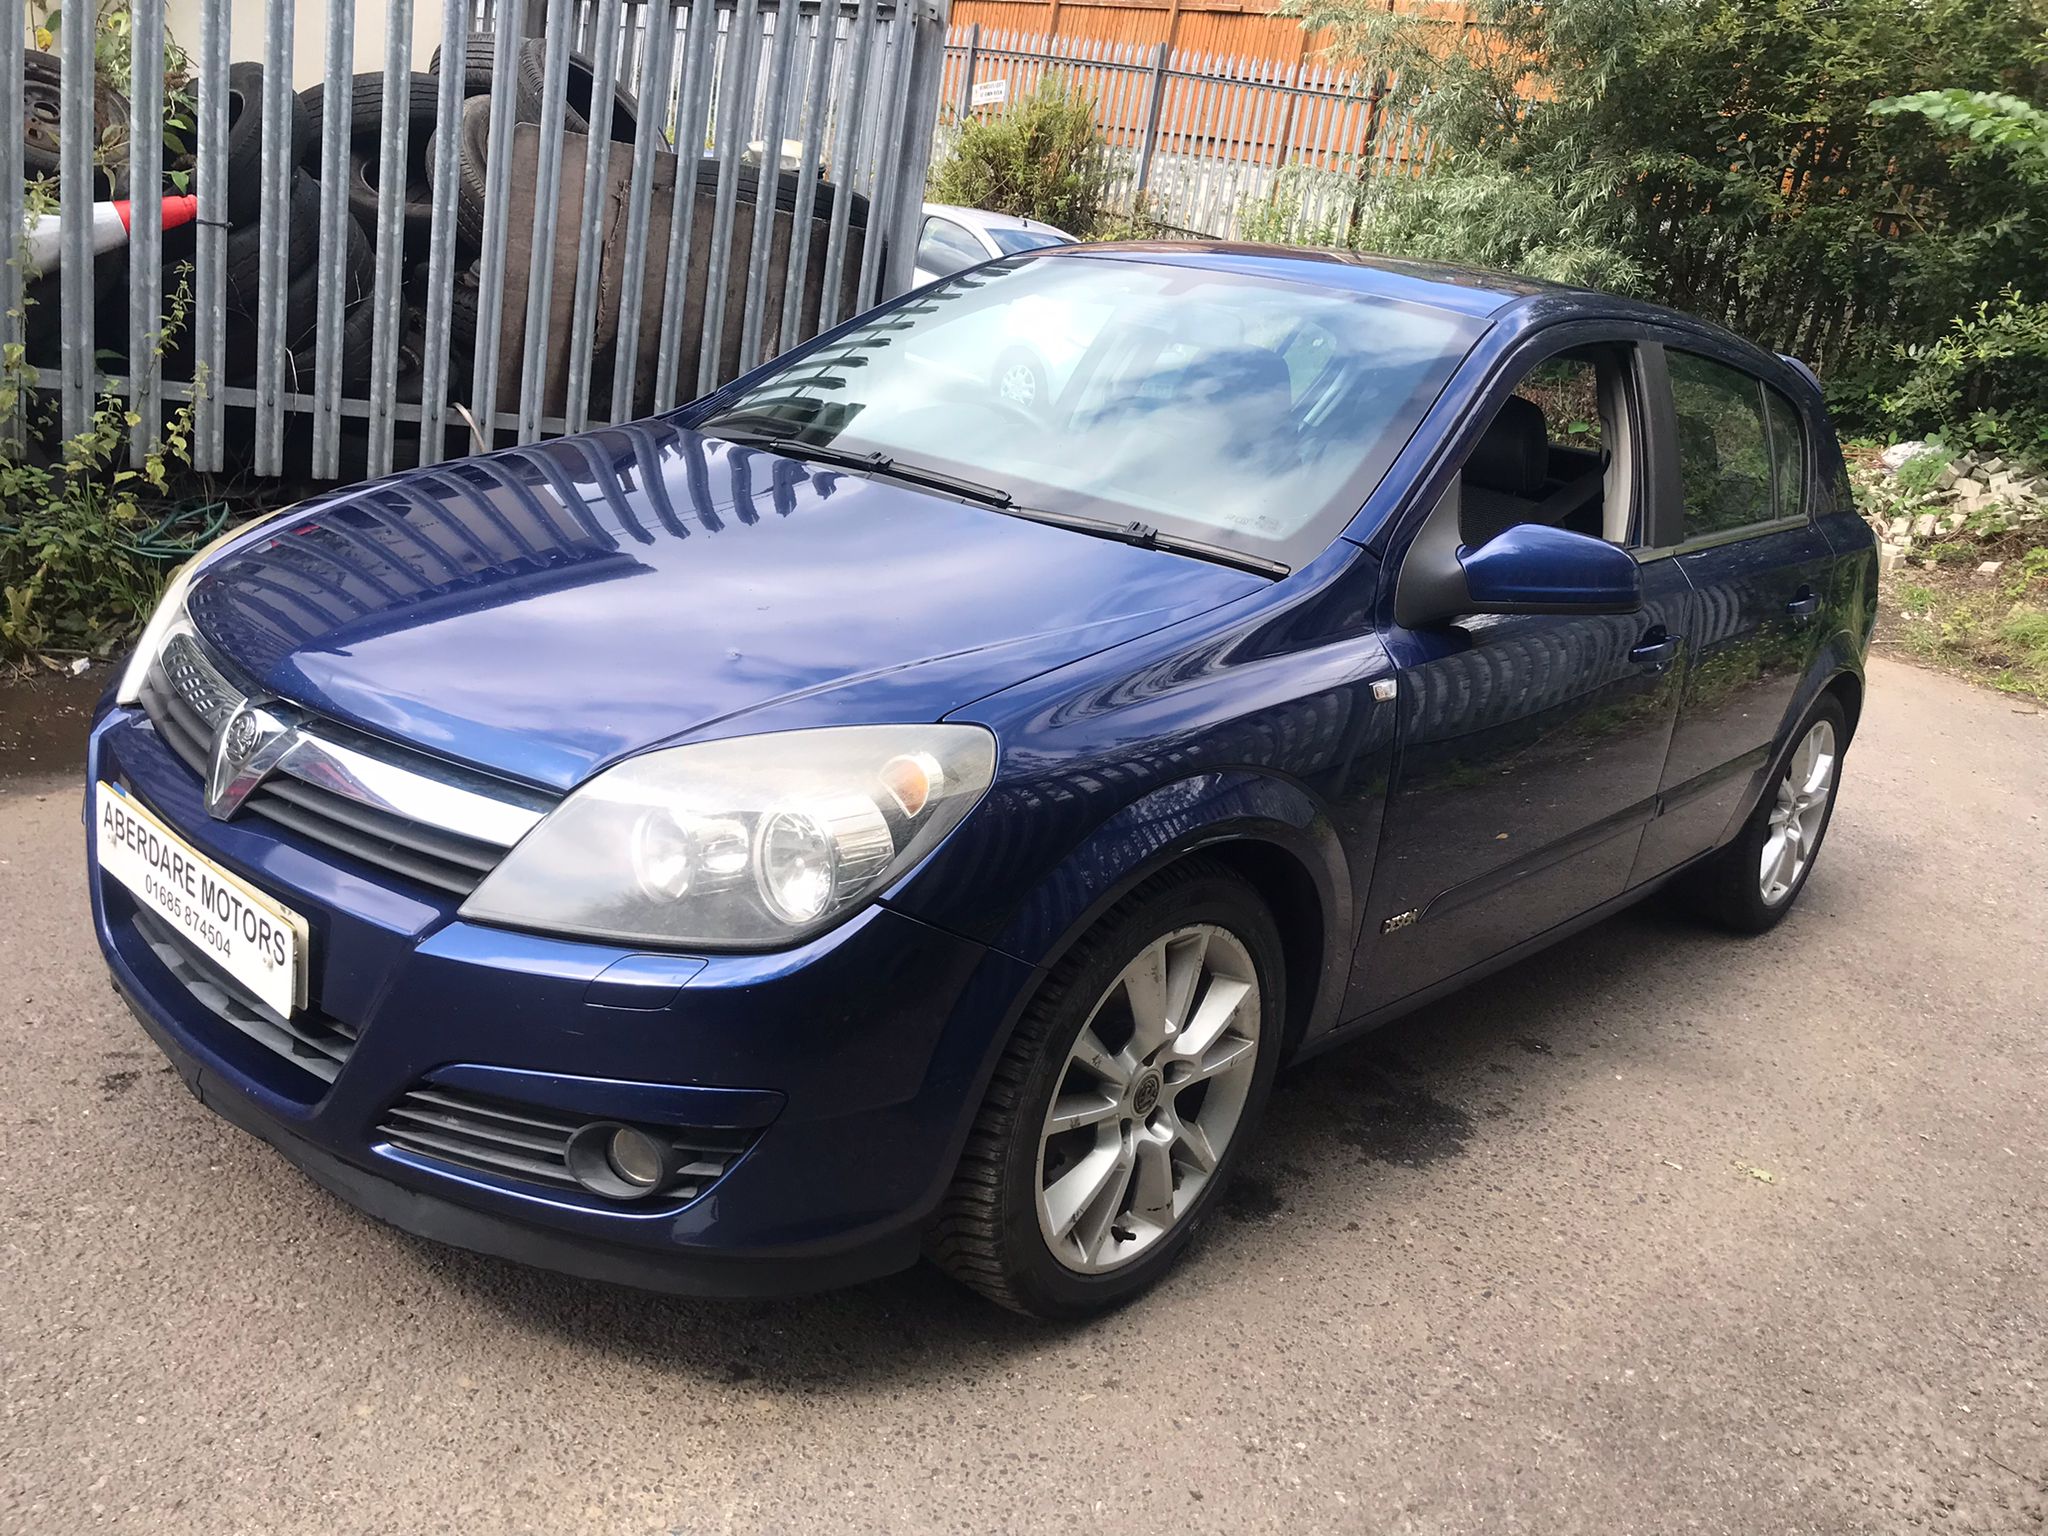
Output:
(246, 244)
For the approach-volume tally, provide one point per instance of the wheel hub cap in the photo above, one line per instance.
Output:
(1797, 814)
(1145, 1097)
(1151, 1093)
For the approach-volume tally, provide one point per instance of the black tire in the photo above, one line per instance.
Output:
(244, 147)
(987, 1234)
(480, 70)
(42, 113)
(580, 91)
(358, 327)
(747, 179)
(477, 48)
(533, 70)
(416, 212)
(245, 248)
(464, 301)
(42, 95)
(366, 106)
(472, 151)
(1728, 887)
(246, 244)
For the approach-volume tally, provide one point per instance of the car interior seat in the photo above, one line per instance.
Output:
(1516, 475)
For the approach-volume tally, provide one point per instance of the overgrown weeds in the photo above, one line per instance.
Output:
(86, 537)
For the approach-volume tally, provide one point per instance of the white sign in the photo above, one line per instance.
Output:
(259, 942)
(991, 93)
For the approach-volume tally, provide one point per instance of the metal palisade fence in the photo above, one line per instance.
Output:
(1203, 143)
(548, 223)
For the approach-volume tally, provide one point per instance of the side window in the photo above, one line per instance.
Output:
(1566, 389)
(1724, 446)
(1558, 452)
(1788, 454)
(946, 248)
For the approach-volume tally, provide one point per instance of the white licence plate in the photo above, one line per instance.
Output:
(259, 942)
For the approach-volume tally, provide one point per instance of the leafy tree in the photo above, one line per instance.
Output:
(1717, 155)
(1989, 120)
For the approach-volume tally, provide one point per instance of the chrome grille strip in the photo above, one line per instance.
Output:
(444, 799)
(382, 852)
(387, 805)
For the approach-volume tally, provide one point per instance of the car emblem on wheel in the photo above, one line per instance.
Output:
(249, 743)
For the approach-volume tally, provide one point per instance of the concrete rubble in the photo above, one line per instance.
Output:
(1972, 496)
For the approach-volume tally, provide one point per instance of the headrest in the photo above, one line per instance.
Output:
(1514, 455)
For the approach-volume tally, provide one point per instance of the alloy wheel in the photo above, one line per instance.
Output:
(1019, 385)
(1152, 1091)
(1798, 813)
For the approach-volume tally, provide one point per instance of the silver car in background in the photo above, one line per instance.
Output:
(951, 239)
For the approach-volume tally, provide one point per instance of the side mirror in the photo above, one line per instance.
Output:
(1534, 568)
(1529, 568)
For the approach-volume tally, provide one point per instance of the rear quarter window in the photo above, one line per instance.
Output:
(1788, 454)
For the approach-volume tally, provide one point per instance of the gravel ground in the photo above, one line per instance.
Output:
(1659, 1232)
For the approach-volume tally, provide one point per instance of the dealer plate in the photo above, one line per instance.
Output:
(256, 940)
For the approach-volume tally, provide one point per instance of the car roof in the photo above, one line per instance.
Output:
(982, 218)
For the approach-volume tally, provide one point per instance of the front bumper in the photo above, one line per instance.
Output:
(851, 1066)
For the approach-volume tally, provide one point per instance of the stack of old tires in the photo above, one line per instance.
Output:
(244, 246)
(246, 242)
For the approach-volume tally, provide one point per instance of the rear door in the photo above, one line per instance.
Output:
(1759, 568)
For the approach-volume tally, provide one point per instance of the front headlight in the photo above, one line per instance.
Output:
(170, 609)
(753, 843)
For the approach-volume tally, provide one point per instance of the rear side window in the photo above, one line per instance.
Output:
(947, 248)
(1724, 446)
(1788, 454)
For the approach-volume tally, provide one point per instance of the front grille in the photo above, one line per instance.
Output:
(532, 1145)
(181, 726)
(186, 698)
(310, 1041)
(390, 842)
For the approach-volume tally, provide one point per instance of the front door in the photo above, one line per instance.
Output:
(1531, 746)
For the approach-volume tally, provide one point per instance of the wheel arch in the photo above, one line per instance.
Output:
(1847, 687)
(1269, 831)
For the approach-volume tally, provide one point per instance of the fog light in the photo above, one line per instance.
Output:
(620, 1162)
(635, 1157)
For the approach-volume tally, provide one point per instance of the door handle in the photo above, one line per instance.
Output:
(1655, 651)
(1804, 605)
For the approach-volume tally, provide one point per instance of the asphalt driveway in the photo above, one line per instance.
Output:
(1659, 1232)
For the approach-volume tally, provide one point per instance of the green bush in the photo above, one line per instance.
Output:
(1982, 384)
(86, 541)
(1042, 158)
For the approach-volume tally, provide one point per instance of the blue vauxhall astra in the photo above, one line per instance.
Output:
(912, 800)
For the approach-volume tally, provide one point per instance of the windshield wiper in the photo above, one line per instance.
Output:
(1142, 535)
(874, 463)
(1145, 536)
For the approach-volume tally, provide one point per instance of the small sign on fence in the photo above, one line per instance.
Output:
(990, 93)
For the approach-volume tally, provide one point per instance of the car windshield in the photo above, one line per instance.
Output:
(1241, 412)
(1012, 242)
